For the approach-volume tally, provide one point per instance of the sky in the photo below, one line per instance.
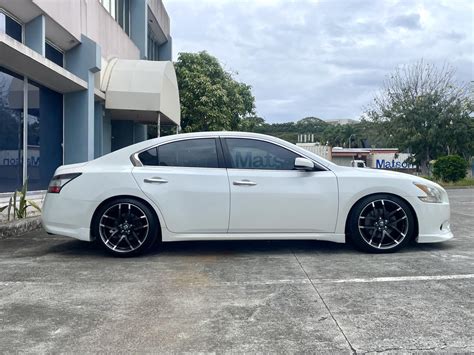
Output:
(323, 58)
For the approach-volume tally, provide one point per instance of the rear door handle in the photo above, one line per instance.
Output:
(244, 183)
(155, 180)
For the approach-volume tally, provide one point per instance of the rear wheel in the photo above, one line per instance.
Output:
(125, 227)
(381, 224)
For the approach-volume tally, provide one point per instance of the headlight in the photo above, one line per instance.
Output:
(433, 194)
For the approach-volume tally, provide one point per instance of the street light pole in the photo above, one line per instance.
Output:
(350, 139)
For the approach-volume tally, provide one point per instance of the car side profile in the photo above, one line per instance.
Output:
(238, 186)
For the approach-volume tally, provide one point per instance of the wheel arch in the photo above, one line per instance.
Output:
(117, 197)
(348, 216)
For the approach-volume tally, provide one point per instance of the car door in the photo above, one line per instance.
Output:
(269, 196)
(186, 181)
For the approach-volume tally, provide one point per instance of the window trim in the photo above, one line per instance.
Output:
(223, 162)
(220, 155)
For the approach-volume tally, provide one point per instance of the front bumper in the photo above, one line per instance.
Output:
(433, 221)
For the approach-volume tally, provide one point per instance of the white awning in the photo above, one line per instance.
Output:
(139, 90)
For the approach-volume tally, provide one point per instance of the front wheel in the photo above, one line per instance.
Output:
(125, 227)
(381, 224)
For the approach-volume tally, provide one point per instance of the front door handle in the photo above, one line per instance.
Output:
(155, 180)
(244, 183)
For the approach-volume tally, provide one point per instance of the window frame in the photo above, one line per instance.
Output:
(227, 156)
(15, 19)
(220, 155)
(55, 47)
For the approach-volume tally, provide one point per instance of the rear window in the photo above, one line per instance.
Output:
(197, 153)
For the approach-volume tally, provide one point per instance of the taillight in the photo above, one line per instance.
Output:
(58, 182)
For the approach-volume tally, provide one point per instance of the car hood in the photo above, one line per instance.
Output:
(368, 172)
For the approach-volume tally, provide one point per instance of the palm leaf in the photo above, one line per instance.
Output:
(34, 205)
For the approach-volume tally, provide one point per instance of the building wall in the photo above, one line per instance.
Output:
(87, 36)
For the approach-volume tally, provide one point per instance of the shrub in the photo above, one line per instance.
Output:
(450, 168)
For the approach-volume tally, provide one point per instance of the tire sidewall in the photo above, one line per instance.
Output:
(152, 231)
(353, 226)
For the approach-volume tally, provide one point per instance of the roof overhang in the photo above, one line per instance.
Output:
(21, 59)
(140, 90)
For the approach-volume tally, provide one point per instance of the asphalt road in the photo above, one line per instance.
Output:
(62, 295)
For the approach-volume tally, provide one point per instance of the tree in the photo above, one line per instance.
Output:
(450, 168)
(426, 112)
(211, 99)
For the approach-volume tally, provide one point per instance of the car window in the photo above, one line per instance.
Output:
(198, 153)
(255, 154)
(149, 157)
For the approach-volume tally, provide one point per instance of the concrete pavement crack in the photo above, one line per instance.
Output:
(354, 351)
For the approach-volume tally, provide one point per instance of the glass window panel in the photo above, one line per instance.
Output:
(199, 153)
(120, 13)
(10, 27)
(11, 131)
(54, 55)
(255, 154)
(149, 157)
(127, 16)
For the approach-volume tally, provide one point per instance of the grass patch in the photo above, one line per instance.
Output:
(466, 182)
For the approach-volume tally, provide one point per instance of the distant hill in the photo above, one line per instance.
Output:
(342, 121)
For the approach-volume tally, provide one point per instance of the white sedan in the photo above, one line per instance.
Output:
(238, 186)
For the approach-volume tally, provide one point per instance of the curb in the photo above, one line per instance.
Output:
(20, 226)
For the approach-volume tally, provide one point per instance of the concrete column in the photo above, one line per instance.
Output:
(98, 129)
(107, 135)
(166, 50)
(122, 133)
(79, 120)
(140, 132)
(35, 34)
(139, 26)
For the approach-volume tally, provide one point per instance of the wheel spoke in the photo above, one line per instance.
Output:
(388, 234)
(381, 239)
(136, 237)
(393, 212)
(372, 236)
(396, 221)
(398, 231)
(384, 210)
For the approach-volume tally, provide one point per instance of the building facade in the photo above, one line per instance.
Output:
(78, 79)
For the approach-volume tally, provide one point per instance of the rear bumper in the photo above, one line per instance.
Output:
(67, 217)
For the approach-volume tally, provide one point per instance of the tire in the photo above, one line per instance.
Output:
(125, 227)
(381, 223)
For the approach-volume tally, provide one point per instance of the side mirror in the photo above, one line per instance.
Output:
(303, 164)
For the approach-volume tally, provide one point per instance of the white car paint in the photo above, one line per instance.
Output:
(204, 204)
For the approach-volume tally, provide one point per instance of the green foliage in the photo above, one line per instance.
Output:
(450, 168)
(426, 112)
(324, 132)
(211, 99)
(19, 210)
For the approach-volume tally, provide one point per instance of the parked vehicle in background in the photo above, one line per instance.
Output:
(358, 164)
(234, 186)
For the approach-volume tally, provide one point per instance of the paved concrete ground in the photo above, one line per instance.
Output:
(62, 295)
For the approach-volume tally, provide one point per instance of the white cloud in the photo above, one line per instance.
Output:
(323, 58)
